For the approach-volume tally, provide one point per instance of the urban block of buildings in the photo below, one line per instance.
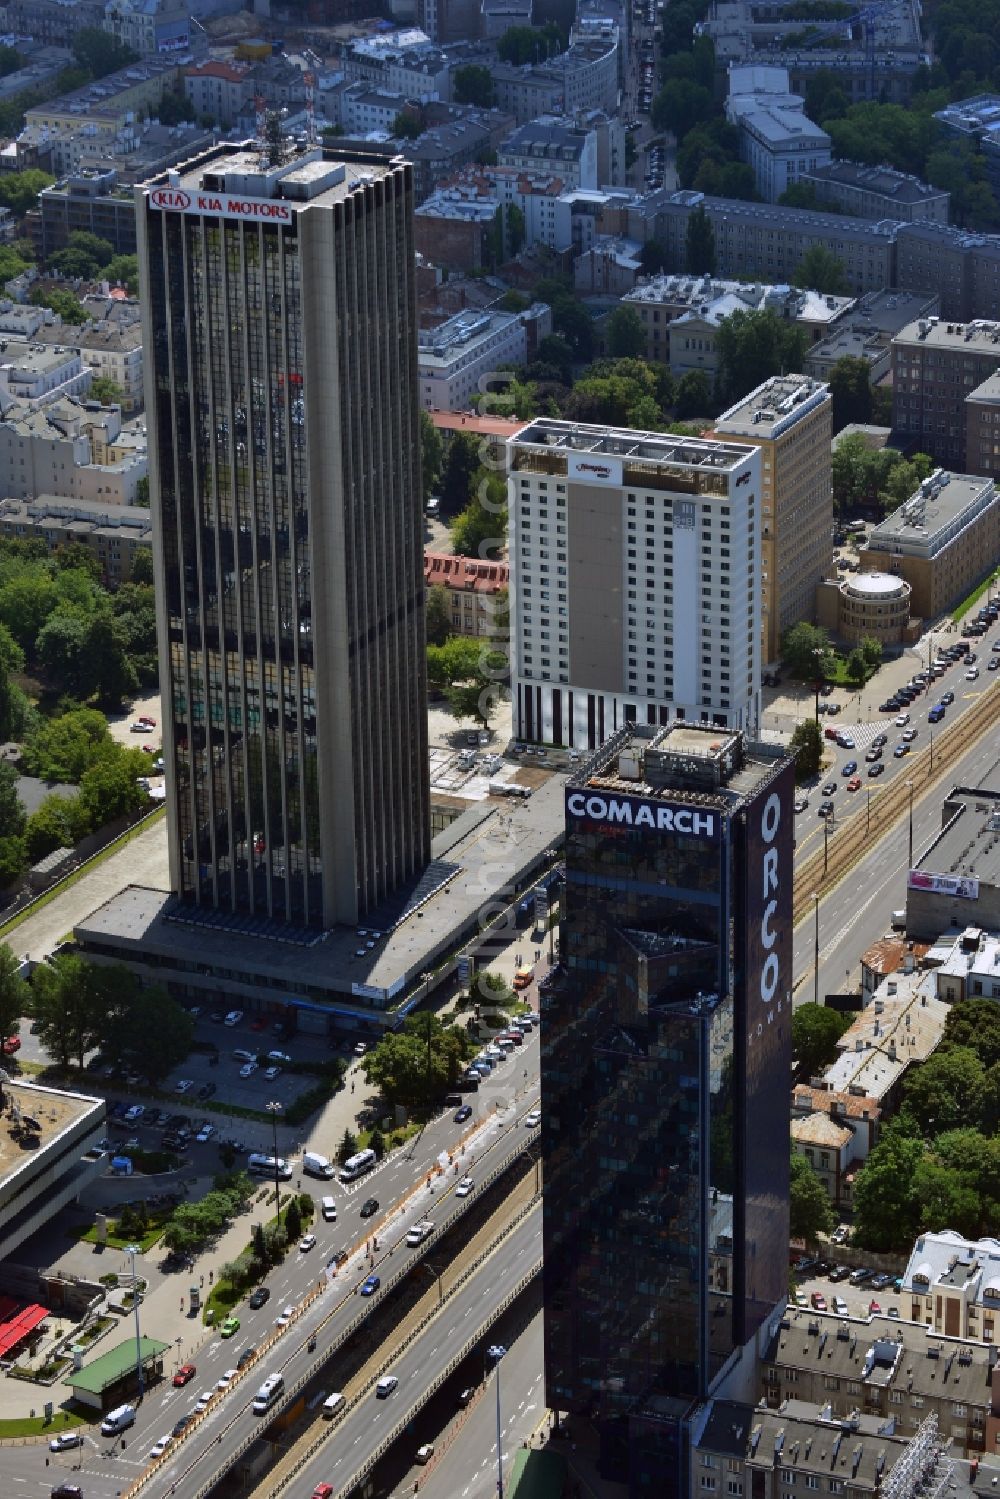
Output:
(635, 581)
(114, 534)
(942, 541)
(91, 201)
(69, 449)
(100, 114)
(866, 330)
(474, 588)
(977, 120)
(456, 356)
(61, 1158)
(789, 418)
(877, 192)
(936, 366)
(955, 885)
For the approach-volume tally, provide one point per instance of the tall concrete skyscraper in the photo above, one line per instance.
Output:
(280, 334)
(665, 1059)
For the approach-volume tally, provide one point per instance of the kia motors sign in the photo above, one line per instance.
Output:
(220, 205)
(594, 468)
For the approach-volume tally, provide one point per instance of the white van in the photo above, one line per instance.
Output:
(314, 1164)
(242, 1055)
(269, 1393)
(263, 1165)
(329, 1209)
(118, 1420)
(332, 1404)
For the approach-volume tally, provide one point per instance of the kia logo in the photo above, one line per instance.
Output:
(170, 197)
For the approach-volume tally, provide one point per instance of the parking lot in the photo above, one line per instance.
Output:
(858, 1297)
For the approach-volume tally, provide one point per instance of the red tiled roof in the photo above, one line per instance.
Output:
(488, 426)
(225, 70)
(465, 573)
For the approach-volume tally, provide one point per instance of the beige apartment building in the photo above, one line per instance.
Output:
(474, 588)
(789, 418)
(943, 541)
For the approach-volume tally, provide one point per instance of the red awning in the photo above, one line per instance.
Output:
(17, 1328)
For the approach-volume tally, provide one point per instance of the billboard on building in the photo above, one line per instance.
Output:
(963, 886)
(763, 1043)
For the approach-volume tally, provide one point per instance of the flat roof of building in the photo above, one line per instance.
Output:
(988, 393)
(101, 1373)
(936, 333)
(774, 407)
(702, 764)
(623, 442)
(54, 1109)
(316, 175)
(440, 913)
(967, 845)
(900, 186)
(930, 518)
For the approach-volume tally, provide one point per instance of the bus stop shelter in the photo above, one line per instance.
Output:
(110, 1379)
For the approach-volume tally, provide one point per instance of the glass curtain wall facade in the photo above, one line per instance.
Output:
(284, 447)
(665, 1142)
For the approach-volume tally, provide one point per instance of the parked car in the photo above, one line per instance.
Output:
(258, 1298)
(185, 1373)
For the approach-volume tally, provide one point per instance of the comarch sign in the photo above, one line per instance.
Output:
(222, 205)
(633, 812)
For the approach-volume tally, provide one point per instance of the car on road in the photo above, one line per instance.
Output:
(248, 1069)
(854, 784)
(875, 770)
(369, 1207)
(909, 735)
(385, 1386)
(533, 1119)
(972, 674)
(206, 1091)
(204, 1400)
(936, 714)
(139, 727)
(230, 1327)
(307, 1242)
(370, 1285)
(801, 803)
(271, 1073)
(840, 1235)
(259, 1297)
(360, 1049)
(849, 768)
(829, 789)
(222, 1384)
(465, 1112)
(66, 1441)
(467, 1396)
(185, 1373)
(464, 1187)
(840, 1272)
(160, 1447)
(323, 1491)
(205, 1133)
(859, 1275)
(875, 753)
(246, 1357)
(880, 1281)
(846, 741)
(874, 1310)
(947, 698)
(825, 809)
(11, 1045)
(133, 1114)
(284, 1316)
(234, 1017)
(901, 750)
(181, 1423)
(902, 719)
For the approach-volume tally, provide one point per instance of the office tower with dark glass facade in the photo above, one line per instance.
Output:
(279, 327)
(665, 1065)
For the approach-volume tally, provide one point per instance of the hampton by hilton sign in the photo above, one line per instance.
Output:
(632, 812)
(221, 205)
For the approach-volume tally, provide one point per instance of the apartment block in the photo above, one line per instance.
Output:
(935, 365)
(455, 356)
(982, 427)
(878, 192)
(951, 1285)
(219, 91)
(866, 331)
(777, 138)
(943, 541)
(553, 146)
(474, 588)
(114, 534)
(90, 201)
(790, 419)
(67, 450)
(635, 581)
(977, 120)
(961, 267)
(457, 228)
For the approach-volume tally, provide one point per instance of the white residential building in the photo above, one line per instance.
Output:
(635, 581)
(70, 450)
(553, 145)
(777, 138)
(452, 358)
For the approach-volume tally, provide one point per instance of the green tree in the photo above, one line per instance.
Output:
(431, 455)
(461, 465)
(58, 822)
(111, 677)
(175, 108)
(62, 302)
(974, 1024)
(142, 568)
(806, 748)
(106, 390)
(63, 748)
(806, 652)
(871, 650)
(752, 346)
(100, 53)
(14, 993)
(851, 392)
(58, 1006)
(625, 334)
(820, 270)
(12, 817)
(438, 615)
(944, 1197)
(481, 528)
(472, 84)
(681, 104)
(124, 270)
(293, 1221)
(470, 675)
(886, 1214)
(19, 190)
(946, 1091)
(347, 1147)
(416, 1065)
(699, 244)
(653, 258)
(572, 321)
(157, 1034)
(799, 195)
(856, 667)
(376, 1142)
(694, 394)
(815, 1033)
(407, 126)
(142, 489)
(13, 861)
(530, 44)
(824, 97)
(809, 1211)
(259, 1244)
(111, 789)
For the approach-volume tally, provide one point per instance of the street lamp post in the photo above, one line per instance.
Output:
(826, 843)
(132, 1250)
(816, 950)
(909, 865)
(496, 1352)
(274, 1109)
